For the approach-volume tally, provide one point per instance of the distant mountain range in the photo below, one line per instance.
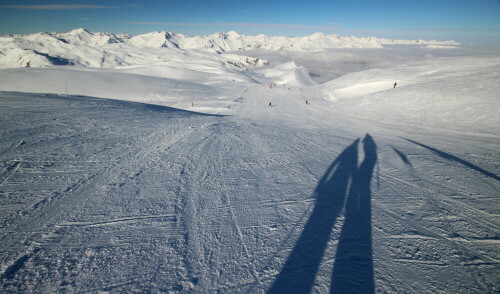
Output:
(232, 41)
(45, 49)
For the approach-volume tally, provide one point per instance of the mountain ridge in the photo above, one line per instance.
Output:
(99, 49)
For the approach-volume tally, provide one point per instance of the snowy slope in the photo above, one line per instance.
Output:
(103, 195)
(213, 91)
(365, 187)
(445, 93)
(450, 93)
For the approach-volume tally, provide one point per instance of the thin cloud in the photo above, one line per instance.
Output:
(57, 7)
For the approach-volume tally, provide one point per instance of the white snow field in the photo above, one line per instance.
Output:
(187, 180)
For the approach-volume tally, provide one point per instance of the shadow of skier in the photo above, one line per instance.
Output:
(354, 249)
(353, 267)
(299, 271)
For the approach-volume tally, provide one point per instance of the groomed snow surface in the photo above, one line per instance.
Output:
(209, 173)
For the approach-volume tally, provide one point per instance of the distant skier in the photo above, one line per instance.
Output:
(270, 104)
(395, 84)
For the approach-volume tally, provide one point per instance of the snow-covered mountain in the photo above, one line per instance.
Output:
(96, 49)
(232, 41)
(82, 36)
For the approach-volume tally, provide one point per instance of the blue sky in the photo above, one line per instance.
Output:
(476, 21)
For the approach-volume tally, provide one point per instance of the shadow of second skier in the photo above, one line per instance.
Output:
(353, 268)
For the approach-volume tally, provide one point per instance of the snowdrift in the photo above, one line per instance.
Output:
(289, 74)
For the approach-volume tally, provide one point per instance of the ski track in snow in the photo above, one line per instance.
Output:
(100, 195)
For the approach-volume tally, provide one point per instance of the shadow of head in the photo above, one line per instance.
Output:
(369, 144)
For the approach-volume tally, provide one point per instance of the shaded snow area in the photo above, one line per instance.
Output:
(202, 172)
